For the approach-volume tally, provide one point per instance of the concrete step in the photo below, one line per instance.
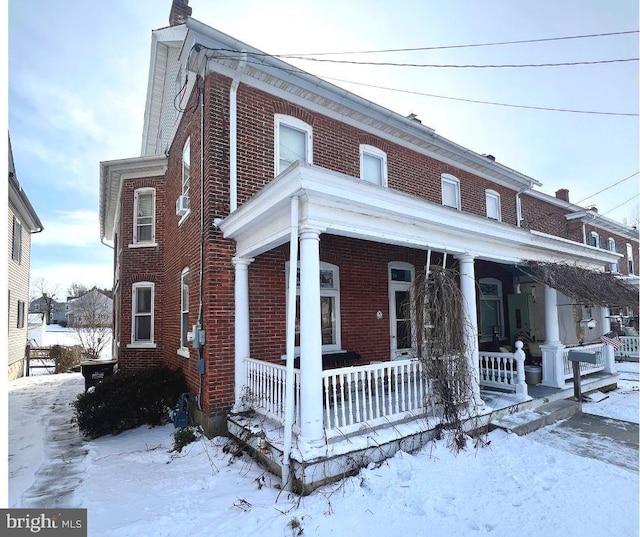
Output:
(528, 421)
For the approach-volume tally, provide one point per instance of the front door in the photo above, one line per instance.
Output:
(400, 311)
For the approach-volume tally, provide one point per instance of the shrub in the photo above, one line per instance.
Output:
(184, 436)
(127, 400)
(66, 358)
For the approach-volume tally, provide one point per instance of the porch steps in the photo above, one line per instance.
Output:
(522, 423)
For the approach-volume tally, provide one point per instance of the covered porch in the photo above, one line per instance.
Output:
(314, 423)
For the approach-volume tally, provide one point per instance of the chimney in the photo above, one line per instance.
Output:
(592, 208)
(490, 157)
(413, 117)
(563, 194)
(180, 10)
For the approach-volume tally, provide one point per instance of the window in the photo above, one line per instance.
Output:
(630, 259)
(329, 307)
(518, 210)
(142, 314)
(373, 165)
(611, 246)
(186, 167)
(293, 142)
(16, 251)
(450, 191)
(20, 323)
(144, 216)
(493, 205)
(594, 239)
(491, 308)
(184, 309)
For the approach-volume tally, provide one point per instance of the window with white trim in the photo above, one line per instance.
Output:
(142, 298)
(594, 239)
(491, 308)
(630, 259)
(373, 165)
(293, 142)
(329, 306)
(186, 167)
(611, 246)
(16, 248)
(144, 208)
(184, 308)
(450, 191)
(492, 199)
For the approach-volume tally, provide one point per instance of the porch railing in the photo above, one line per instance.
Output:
(265, 389)
(630, 346)
(376, 394)
(585, 367)
(499, 370)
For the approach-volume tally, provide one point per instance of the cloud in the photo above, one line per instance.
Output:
(63, 275)
(70, 228)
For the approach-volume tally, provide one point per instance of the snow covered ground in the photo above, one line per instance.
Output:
(54, 334)
(133, 485)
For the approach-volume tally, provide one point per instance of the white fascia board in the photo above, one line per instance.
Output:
(291, 83)
(601, 222)
(343, 205)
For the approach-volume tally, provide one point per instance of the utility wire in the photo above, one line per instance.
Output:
(443, 47)
(621, 204)
(550, 109)
(607, 188)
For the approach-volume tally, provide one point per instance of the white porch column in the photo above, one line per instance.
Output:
(609, 352)
(552, 360)
(468, 289)
(241, 327)
(312, 426)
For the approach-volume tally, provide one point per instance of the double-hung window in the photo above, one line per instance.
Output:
(373, 165)
(493, 205)
(611, 246)
(186, 167)
(142, 298)
(630, 259)
(594, 239)
(184, 309)
(144, 216)
(16, 249)
(293, 142)
(329, 307)
(450, 191)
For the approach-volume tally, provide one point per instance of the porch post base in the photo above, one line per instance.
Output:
(552, 364)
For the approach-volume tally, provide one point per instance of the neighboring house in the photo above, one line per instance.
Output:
(92, 308)
(22, 222)
(55, 312)
(263, 161)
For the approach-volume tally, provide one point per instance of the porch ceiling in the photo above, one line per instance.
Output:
(343, 205)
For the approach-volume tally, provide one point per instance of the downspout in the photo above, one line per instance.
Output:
(519, 206)
(233, 133)
(201, 360)
(287, 482)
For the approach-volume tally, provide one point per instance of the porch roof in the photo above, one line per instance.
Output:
(339, 204)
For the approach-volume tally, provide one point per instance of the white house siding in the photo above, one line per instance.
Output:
(18, 280)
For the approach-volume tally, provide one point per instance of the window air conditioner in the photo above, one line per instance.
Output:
(182, 205)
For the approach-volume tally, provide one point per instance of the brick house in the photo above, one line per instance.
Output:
(248, 163)
(22, 222)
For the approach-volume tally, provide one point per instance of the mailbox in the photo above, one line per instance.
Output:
(583, 356)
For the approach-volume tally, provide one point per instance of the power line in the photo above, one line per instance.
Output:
(466, 66)
(607, 188)
(623, 203)
(550, 109)
(443, 47)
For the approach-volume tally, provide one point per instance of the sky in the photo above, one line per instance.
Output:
(554, 482)
(78, 71)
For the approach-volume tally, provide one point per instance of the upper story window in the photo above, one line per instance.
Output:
(186, 167)
(293, 142)
(450, 191)
(373, 165)
(329, 306)
(611, 246)
(594, 239)
(16, 249)
(144, 208)
(142, 314)
(630, 258)
(184, 309)
(493, 205)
